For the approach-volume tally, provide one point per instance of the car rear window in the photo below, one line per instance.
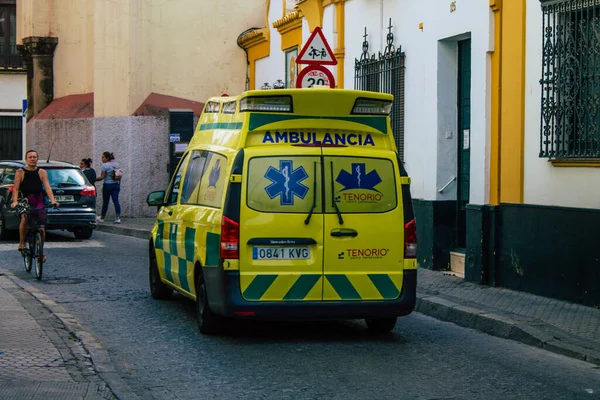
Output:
(65, 177)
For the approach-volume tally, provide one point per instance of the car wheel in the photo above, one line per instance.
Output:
(381, 326)
(83, 232)
(158, 289)
(5, 234)
(2, 229)
(208, 322)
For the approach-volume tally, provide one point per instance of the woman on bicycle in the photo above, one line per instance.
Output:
(31, 182)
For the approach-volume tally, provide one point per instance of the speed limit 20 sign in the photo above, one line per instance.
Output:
(315, 75)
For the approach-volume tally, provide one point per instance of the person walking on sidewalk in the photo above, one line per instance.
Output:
(86, 167)
(31, 181)
(110, 174)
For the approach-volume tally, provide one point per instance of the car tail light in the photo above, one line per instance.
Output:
(410, 239)
(88, 191)
(230, 239)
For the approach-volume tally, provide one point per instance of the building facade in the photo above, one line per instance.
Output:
(495, 118)
(13, 84)
(102, 76)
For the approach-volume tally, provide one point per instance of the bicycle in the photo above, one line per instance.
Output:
(34, 240)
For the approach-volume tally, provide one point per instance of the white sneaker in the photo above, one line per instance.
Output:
(117, 221)
(99, 219)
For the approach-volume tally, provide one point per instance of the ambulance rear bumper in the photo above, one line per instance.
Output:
(225, 299)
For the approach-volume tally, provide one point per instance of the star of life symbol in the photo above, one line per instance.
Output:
(286, 182)
(358, 179)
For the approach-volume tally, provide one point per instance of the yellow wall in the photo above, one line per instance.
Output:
(111, 58)
(195, 53)
(34, 18)
(74, 56)
(123, 50)
(508, 102)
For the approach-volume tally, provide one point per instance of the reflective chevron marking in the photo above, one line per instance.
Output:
(274, 287)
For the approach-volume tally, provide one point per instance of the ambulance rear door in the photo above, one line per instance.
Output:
(363, 225)
(281, 224)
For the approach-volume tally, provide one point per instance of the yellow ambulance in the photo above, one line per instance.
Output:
(289, 204)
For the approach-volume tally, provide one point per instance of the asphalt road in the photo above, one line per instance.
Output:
(158, 351)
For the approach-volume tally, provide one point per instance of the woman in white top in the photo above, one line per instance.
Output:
(112, 185)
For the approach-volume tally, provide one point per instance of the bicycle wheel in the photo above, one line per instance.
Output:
(39, 255)
(28, 253)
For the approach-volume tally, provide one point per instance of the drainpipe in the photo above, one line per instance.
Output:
(241, 35)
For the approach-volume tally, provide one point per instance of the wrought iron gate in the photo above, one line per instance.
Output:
(384, 73)
(10, 137)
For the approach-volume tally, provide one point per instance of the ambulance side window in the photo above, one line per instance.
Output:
(213, 179)
(176, 182)
(193, 175)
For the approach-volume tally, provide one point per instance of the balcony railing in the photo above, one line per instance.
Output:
(10, 59)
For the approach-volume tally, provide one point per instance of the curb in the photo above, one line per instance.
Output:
(100, 358)
(533, 334)
(122, 230)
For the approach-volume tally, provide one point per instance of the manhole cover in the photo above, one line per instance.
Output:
(64, 281)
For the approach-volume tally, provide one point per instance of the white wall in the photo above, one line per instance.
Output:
(545, 184)
(271, 68)
(13, 89)
(423, 61)
(428, 154)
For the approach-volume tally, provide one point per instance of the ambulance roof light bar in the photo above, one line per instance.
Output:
(366, 106)
(281, 103)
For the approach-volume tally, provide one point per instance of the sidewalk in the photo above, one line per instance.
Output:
(46, 354)
(557, 326)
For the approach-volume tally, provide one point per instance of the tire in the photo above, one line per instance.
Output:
(28, 255)
(208, 322)
(39, 255)
(381, 326)
(4, 233)
(158, 289)
(83, 232)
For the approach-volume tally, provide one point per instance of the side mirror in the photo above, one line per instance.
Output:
(156, 198)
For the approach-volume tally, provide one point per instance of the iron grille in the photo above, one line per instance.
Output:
(384, 73)
(570, 117)
(10, 137)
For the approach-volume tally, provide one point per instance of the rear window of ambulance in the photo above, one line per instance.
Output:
(360, 184)
(284, 184)
(292, 183)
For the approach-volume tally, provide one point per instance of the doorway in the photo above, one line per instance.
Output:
(464, 140)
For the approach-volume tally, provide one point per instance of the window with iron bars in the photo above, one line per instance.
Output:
(570, 98)
(384, 73)
(9, 56)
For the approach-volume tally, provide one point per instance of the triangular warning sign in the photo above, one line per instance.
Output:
(316, 50)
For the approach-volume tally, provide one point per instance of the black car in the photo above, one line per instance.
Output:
(77, 198)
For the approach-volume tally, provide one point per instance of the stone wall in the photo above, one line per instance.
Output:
(140, 145)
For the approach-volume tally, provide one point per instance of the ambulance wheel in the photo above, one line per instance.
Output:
(381, 325)
(208, 322)
(158, 289)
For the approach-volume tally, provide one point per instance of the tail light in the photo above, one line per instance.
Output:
(410, 239)
(88, 191)
(230, 239)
